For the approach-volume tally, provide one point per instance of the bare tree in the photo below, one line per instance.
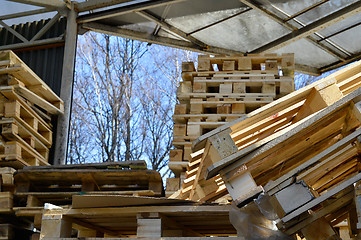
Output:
(104, 91)
(124, 97)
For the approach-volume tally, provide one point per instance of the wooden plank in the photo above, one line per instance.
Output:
(32, 97)
(274, 140)
(319, 229)
(324, 154)
(266, 111)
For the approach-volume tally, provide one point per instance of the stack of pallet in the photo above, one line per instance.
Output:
(58, 185)
(222, 89)
(299, 156)
(26, 106)
(11, 227)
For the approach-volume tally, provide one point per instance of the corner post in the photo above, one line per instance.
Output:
(66, 92)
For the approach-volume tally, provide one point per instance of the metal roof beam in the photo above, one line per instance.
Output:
(124, 10)
(219, 21)
(95, 4)
(146, 37)
(281, 21)
(307, 70)
(335, 65)
(15, 33)
(52, 4)
(46, 27)
(32, 44)
(311, 28)
(25, 13)
(306, 10)
(171, 28)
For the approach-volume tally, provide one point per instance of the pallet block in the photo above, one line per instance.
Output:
(172, 184)
(175, 155)
(6, 202)
(188, 67)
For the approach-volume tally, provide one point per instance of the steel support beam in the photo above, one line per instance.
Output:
(145, 37)
(282, 22)
(15, 33)
(46, 27)
(307, 70)
(25, 13)
(124, 10)
(66, 90)
(95, 4)
(335, 65)
(171, 28)
(52, 4)
(32, 44)
(314, 27)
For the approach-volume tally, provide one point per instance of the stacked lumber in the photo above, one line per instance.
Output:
(222, 89)
(121, 217)
(300, 154)
(26, 107)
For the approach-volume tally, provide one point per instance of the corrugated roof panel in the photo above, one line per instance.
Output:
(47, 60)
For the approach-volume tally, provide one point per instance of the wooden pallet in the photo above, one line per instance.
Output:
(183, 118)
(176, 219)
(271, 121)
(57, 186)
(34, 86)
(20, 154)
(15, 107)
(12, 130)
(223, 89)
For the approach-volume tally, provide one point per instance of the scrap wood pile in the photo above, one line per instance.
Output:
(300, 153)
(222, 89)
(26, 107)
(36, 187)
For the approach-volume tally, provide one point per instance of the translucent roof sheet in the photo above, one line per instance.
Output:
(323, 34)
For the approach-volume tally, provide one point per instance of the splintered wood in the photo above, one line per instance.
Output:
(300, 152)
(26, 106)
(223, 88)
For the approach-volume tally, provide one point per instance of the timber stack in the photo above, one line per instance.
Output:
(297, 158)
(26, 107)
(222, 89)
